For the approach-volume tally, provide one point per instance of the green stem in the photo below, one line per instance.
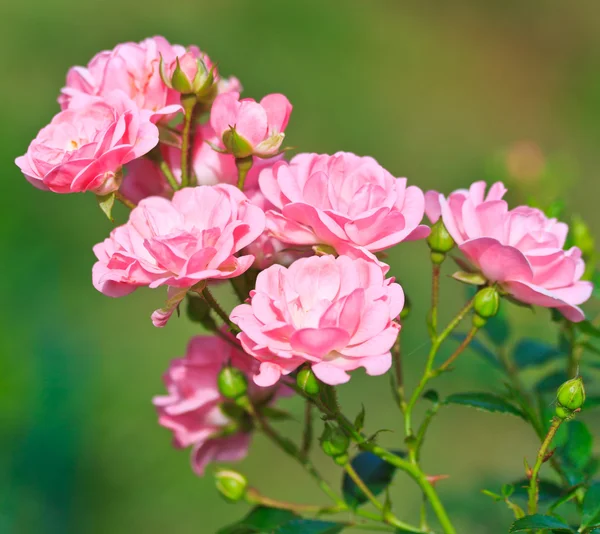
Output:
(534, 488)
(188, 102)
(429, 373)
(166, 170)
(387, 516)
(253, 496)
(526, 405)
(398, 384)
(435, 295)
(423, 430)
(459, 349)
(307, 434)
(124, 200)
(243, 166)
(411, 469)
(423, 515)
(362, 486)
(291, 450)
(211, 301)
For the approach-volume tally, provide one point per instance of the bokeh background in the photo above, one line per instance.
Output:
(441, 92)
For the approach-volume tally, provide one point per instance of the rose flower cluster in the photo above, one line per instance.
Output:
(214, 199)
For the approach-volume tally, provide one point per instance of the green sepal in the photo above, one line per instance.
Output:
(106, 203)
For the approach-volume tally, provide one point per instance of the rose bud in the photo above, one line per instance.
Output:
(571, 395)
(307, 381)
(191, 74)
(440, 242)
(231, 484)
(232, 382)
(487, 302)
(334, 441)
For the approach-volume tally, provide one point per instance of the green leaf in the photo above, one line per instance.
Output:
(475, 279)
(530, 352)
(375, 473)
(310, 526)
(106, 203)
(577, 451)
(432, 395)
(590, 516)
(359, 422)
(261, 519)
(538, 521)
(507, 490)
(479, 348)
(487, 402)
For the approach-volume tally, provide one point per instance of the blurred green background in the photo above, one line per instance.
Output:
(441, 92)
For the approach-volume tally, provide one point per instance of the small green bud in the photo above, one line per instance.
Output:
(439, 239)
(232, 382)
(307, 381)
(341, 459)
(334, 441)
(571, 395)
(231, 484)
(487, 302)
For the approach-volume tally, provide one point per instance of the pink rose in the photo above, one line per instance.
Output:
(85, 146)
(341, 200)
(336, 314)
(191, 73)
(192, 407)
(521, 250)
(179, 243)
(133, 68)
(249, 128)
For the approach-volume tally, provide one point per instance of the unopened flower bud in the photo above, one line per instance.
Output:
(190, 75)
(571, 395)
(307, 381)
(236, 144)
(231, 484)
(334, 441)
(439, 240)
(487, 302)
(232, 382)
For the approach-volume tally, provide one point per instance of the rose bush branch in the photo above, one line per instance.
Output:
(213, 197)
